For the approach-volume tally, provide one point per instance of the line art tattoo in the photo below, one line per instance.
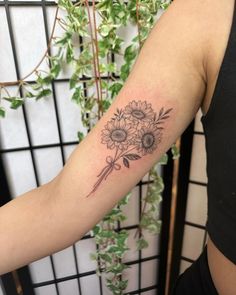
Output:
(132, 132)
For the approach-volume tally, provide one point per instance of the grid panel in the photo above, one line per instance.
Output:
(47, 130)
(195, 234)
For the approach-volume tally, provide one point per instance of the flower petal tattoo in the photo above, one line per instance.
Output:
(132, 132)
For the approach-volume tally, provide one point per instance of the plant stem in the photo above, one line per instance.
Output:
(41, 60)
(94, 57)
(138, 24)
(100, 109)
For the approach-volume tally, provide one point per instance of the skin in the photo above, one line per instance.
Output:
(176, 69)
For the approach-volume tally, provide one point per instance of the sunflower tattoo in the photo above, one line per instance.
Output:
(132, 132)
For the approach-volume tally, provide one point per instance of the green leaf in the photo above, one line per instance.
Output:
(37, 86)
(105, 29)
(69, 54)
(104, 84)
(93, 256)
(154, 197)
(107, 234)
(125, 200)
(116, 44)
(115, 88)
(124, 71)
(43, 93)
(16, 102)
(2, 112)
(163, 160)
(130, 53)
(55, 70)
(175, 152)
(80, 136)
(97, 229)
(77, 95)
(29, 94)
(105, 257)
(66, 37)
(105, 104)
(141, 244)
(46, 80)
(73, 80)
(40, 80)
(103, 47)
(111, 67)
(102, 68)
(155, 227)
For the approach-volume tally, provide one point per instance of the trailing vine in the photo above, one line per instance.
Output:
(90, 42)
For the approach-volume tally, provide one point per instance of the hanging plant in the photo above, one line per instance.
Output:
(90, 48)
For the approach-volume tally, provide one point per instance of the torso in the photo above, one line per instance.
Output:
(222, 270)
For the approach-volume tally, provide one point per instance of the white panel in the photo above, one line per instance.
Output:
(131, 210)
(42, 121)
(1, 288)
(29, 30)
(131, 274)
(49, 163)
(149, 273)
(192, 242)
(69, 287)
(70, 116)
(64, 262)
(12, 127)
(151, 292)
(153, 241)
(84, 248)
(131, 254)
(68, 149)
(46, 290)
(196, 204)
(90, 285)
(20, 173)
(198, 124)
(7, 69)
(184, 265)
(198, 161)
(41, 270)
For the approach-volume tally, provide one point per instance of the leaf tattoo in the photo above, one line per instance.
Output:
(132, 132)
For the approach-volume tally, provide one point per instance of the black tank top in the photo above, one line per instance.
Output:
(219, 126)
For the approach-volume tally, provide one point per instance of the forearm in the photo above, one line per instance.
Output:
(22, 224)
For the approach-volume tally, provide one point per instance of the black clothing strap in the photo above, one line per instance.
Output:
(219, 126)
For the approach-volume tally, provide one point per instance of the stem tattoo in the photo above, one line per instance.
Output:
(132, 132)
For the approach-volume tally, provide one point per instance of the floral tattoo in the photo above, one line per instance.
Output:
(133, 132)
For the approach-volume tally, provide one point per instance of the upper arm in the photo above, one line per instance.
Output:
(168, 76)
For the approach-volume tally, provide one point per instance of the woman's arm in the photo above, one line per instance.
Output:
(156, 104)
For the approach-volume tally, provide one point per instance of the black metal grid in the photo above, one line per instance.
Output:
(183, 185)
(24, 275)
